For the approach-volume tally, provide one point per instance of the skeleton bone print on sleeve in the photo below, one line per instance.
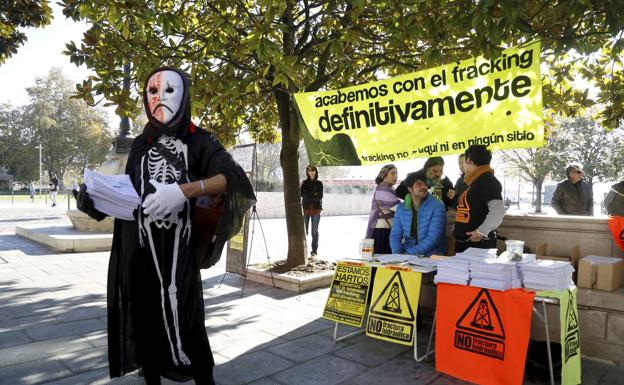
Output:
(151, 228)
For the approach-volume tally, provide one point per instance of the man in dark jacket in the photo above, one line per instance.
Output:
(439, 185)
(460, 185)
(614, 201)
(573, 196)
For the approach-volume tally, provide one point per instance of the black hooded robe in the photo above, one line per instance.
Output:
(136, 328)
(155, 299)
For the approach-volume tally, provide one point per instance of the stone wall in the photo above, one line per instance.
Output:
(562, 233)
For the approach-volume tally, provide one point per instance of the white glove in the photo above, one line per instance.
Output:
(166, 199)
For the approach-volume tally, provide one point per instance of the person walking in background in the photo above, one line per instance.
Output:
(382, 209)
(32, 192)
(480, 208)
(419, 227)
(312, 202)
(573, 196)
(614, 201)
(460, 185)
(53, 188)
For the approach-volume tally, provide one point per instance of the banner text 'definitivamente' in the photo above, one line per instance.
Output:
(437, 111)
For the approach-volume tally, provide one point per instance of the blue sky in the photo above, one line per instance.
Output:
(42, 51)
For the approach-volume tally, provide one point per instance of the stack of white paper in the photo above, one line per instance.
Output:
(496, 274)
(422, 261)
(476, 255)
(113, 195)
(391, 259)
(453, 270)
(547, 275)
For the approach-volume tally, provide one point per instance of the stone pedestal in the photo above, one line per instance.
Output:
(66, 239)
(86, 234)
(83, 222)
(114, 164)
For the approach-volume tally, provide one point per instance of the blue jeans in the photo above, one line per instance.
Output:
(315, 223)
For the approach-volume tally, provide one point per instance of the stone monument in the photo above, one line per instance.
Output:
(114, 164)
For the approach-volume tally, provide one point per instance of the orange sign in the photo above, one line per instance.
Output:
(462, 212)
(616, 224)
(482, 335)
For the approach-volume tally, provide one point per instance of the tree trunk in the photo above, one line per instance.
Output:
(297, 250)
(538, 194)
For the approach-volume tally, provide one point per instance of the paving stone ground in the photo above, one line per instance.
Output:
(53, 321)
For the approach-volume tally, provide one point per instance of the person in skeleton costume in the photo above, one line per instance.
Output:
(155, 301)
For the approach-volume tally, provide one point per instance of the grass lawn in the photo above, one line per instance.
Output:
(18, 198)
(26, 198)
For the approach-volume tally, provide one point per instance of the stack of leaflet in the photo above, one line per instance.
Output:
(453, 270)
(391, 259)
(400, 259)
(423, 261)
(113, 195)
(494, 274)
(547, 275)
(476, 255)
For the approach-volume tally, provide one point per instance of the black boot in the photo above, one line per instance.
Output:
(151, 376)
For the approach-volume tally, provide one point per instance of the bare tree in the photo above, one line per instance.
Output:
(580, 140)
(599, 150)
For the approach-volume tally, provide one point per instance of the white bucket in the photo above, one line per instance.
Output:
(515, 247)
(366, 248)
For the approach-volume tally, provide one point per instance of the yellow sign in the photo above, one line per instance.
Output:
(437, 111)
(392, 315)
(348, 294)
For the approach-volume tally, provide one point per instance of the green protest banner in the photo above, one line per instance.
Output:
(436, 111)
(570, 339)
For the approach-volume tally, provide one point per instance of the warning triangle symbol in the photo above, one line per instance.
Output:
(332, 304)
(571, 318)
(393, 301)
(482, 317)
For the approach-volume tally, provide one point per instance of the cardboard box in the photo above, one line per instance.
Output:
(602, 273)
(542, 253)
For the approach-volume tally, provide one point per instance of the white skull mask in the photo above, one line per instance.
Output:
(164, 95)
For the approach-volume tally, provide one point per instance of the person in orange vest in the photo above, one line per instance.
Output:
(480, 207)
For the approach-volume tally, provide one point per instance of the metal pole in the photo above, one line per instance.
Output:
(519, 177)
(40, 184)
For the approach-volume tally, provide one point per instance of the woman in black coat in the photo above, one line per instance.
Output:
(311, 200)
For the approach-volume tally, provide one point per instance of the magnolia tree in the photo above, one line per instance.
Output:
(246, 58)
(17, 15)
